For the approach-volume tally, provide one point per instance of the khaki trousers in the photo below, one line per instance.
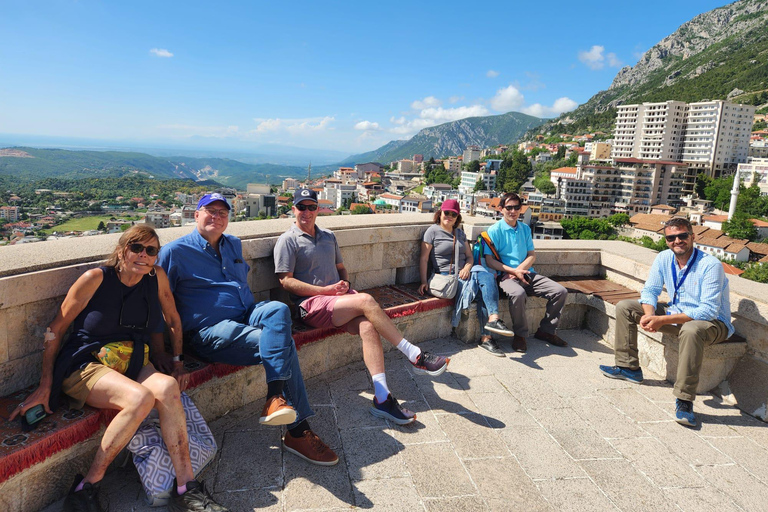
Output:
(693, 337)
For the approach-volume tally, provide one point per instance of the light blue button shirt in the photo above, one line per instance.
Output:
(704, 295)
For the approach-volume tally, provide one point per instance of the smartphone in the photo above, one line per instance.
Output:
(35, 414)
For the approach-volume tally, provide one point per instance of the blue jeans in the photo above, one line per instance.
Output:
(262, 336)
(487, 297)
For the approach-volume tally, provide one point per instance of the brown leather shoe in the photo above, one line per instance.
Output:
(551, 338)
(310, 448)
(519, 344)
(277, 412)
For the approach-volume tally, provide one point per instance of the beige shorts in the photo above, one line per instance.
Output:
(80, 383)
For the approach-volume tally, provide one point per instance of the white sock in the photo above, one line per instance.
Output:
(380, 388)
(412, 352)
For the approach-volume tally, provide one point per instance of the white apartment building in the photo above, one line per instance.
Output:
(472, 153)
(405, 166)
(392, 200)
(710, 136)
(290, 184)
(469, 179)
(755, 171)
(338, 192)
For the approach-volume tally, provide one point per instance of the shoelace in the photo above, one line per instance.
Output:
(684, 406)
(316, 443)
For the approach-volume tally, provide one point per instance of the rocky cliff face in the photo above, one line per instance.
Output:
(694, 37)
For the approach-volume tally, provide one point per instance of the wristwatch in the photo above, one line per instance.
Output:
(178, 358)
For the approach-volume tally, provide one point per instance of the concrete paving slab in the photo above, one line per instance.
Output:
(308, 486)
(640, 410)
(504, 484)
(574, 495)
(249, 461)
(686, 443)
(472, 437)
(540, 455)
(707, 499)
(457, 504)
(626, 487)
(437, 471)
(372, 453)
(654, 460)
(389, 495)
(608, 421)
(744, 489)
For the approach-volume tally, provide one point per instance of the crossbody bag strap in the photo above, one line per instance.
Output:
(455, 258)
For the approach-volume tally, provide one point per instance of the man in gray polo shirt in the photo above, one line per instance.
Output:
(309, 265)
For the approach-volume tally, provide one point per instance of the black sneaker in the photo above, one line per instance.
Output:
(430, 364)
(492, 347)
(84, 500)
(391, 410)
(498, 327)
(196, 499)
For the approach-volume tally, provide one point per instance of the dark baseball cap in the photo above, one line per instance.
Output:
(304, 194)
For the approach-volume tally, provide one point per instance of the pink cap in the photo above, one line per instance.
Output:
(450, 205)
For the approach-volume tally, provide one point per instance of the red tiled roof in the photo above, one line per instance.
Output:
(714, 218)
(730, 269)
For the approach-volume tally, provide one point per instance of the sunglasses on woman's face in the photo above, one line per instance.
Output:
(450, 214)
(303, 207)
(137, 248)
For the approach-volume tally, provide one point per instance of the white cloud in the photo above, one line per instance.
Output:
(293, 126)
(161, 52)
(506, 99)
(492, 74)
(431, 116)
(429, 101)
(367, 126)
(455, 99)
(560, 105)
(594, 58)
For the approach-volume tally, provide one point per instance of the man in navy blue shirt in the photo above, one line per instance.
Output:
(222, 323)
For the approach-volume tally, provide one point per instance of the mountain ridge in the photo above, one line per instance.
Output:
(453, 137)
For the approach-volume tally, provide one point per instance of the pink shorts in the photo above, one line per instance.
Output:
(317, 311)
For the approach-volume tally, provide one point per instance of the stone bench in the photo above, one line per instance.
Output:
(31, 463)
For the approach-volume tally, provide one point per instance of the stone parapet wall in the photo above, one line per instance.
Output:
(377, 249)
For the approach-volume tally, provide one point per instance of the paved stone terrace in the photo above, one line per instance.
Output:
(537, 431)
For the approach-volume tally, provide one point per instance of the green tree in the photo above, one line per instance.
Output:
(619, 219)
(361, 209)
(544, 184)
(474, 166)
(587, 235)
(560, 152)
(756, 272)
(740, 227)
(479, 185)
(101, 226)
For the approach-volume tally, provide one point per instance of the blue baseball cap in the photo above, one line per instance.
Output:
(304, 194)
(210, 198)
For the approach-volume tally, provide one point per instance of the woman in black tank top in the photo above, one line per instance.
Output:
(118, 307)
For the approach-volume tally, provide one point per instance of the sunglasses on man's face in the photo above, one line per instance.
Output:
(681, 236)
(137, 248)
(511, 207)
(303, 207)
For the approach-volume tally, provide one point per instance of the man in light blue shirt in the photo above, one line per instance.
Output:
(514, 245)
(699, 314)
(222, 323)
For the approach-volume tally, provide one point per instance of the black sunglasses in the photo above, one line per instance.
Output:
(310, 207)
(137, 248)
(449, 213)
(681, 236)
(511, 207)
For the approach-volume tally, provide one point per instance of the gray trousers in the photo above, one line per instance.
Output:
(540, 286)
(693, 337)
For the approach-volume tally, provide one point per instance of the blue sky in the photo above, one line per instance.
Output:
(347, 76)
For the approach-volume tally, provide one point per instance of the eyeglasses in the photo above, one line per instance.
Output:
(220, 212)
(511, 207)
(303, 207)
(449, 213)
(682, 236)
(137, 248)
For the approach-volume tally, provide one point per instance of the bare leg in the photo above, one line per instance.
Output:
(373, 352)
(349, 307)
(173, 422)
(134, 401)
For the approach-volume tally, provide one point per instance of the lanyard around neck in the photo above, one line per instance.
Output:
(688, 268)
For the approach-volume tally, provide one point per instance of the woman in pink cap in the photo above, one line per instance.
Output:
(475, 281)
